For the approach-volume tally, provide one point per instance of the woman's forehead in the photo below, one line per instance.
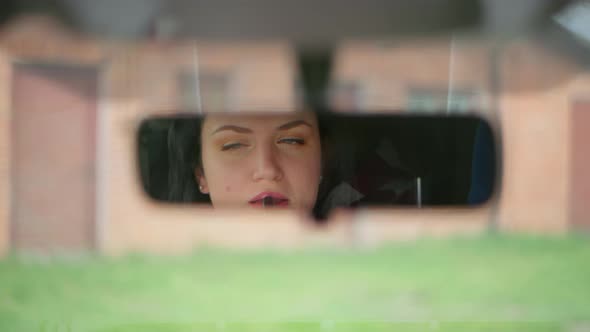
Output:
(258, 121)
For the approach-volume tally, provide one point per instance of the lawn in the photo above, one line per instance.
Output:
(489, 283)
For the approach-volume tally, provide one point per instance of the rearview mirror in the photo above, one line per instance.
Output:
(317, 162)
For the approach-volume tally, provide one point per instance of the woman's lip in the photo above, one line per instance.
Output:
(275, 198)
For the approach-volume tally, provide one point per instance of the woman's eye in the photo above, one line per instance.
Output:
(292, 140)
(232, 146)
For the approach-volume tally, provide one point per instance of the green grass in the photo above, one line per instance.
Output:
(489, 283)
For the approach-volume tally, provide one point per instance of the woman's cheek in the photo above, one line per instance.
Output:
(229, 177)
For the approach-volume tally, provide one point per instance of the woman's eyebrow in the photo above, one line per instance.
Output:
(293, 124)
(241, 130)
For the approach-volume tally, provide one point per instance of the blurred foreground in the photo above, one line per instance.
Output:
(494, 283)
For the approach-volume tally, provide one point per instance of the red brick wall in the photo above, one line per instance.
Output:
(31, 40)
(580, 164)
(535, 129)
(5, 153)
(387, 72)
(53, 181)
(537, 89)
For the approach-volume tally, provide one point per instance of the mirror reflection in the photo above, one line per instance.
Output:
(317, 162)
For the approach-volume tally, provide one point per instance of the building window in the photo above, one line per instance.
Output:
(206, 91)
(346, 96)
(422, 100)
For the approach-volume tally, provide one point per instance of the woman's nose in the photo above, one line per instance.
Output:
(267, 165)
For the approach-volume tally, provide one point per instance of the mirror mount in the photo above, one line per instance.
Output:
(315, 68)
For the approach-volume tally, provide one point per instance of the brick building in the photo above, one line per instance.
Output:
(70, 108)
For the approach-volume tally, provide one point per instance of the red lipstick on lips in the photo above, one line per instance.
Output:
(269, 199)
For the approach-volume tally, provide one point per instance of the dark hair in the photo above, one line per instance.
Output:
(184, 157)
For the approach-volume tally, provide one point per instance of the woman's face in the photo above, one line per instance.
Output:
(254, 160)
